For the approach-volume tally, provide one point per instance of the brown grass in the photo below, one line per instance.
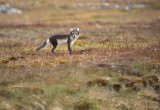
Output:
(114, 66)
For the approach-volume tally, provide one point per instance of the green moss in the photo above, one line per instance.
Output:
(143, 68)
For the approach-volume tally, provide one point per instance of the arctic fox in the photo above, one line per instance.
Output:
(56, 40)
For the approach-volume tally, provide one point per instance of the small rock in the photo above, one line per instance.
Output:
(7, 9)
(110, 6)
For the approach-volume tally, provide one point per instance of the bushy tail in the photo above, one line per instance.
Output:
(43, 45)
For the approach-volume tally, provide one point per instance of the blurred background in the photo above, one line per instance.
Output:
(51, 12)
(102, 16)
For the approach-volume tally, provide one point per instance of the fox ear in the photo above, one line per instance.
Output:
(71, 29)
(77, 29)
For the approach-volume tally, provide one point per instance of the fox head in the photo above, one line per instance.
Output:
(74, 33)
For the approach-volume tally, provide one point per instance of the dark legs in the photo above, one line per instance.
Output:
(54, 47)
(69, 48)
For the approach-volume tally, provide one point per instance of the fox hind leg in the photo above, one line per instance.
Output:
(54, 47)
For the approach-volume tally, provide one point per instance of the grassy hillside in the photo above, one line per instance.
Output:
(115, 63)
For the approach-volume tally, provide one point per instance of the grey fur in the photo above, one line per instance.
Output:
(44, 44)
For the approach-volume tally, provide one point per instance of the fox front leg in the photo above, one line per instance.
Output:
(70, 48)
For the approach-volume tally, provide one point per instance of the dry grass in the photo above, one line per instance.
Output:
(115, 64)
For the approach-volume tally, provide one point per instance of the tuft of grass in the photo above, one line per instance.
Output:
(61, 61)
(5, 83)
(8, 59)
(4, 61)
(5, 93)
(55, 92)
(22, 97)
(81, 43)
(86, 104)
(143, 68)
(27, 51)
(12, 58)
(11, 44)
(123, 106)
(125, 93)
(98, 82)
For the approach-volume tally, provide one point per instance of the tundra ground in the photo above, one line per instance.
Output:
(115, 63)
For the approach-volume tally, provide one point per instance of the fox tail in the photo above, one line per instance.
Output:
(43, 45)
